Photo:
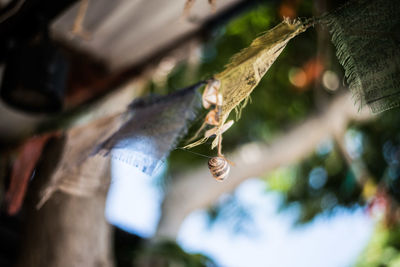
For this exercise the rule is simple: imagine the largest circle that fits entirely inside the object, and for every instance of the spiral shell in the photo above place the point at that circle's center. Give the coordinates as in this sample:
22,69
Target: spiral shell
219,168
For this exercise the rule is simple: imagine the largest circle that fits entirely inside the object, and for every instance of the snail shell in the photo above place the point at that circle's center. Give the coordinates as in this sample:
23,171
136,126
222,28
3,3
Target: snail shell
219,168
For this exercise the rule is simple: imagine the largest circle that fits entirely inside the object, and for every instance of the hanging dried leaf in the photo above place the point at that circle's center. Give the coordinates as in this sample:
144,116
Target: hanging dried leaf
367,38
156,125
247,67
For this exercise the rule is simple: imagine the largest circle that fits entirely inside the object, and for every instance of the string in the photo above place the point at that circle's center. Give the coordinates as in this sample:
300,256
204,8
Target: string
199,154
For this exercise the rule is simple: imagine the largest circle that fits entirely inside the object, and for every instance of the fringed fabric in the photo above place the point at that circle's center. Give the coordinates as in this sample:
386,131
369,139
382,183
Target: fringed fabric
155,127
367,38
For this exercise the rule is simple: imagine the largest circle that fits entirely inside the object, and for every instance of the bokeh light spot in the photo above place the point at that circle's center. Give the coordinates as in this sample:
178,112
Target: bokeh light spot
330,80
317,178
297,77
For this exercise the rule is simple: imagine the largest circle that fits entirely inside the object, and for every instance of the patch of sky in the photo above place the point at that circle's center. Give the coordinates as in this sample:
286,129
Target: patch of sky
134,199
277,242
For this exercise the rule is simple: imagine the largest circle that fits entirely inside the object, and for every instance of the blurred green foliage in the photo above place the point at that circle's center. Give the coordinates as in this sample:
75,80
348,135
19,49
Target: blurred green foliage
318,184
132,250
381,148
324,180
168,253
383,248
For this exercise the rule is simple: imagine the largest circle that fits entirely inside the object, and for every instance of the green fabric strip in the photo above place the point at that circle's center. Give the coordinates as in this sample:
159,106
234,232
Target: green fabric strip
367,39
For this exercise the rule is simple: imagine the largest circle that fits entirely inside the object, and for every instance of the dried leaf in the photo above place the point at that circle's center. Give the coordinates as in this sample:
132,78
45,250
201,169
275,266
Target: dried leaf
247,67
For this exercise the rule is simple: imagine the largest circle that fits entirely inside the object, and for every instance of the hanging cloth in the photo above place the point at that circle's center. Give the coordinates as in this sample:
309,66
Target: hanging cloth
155,127
367,38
